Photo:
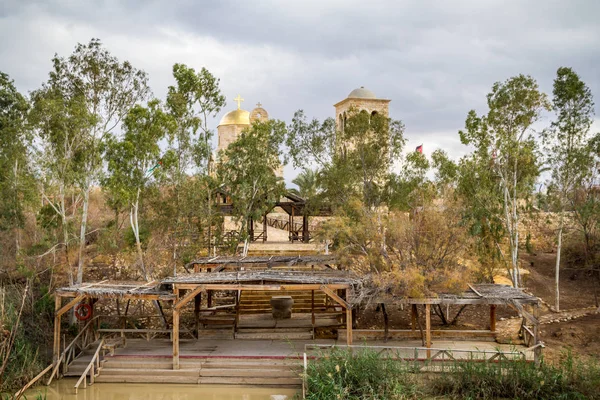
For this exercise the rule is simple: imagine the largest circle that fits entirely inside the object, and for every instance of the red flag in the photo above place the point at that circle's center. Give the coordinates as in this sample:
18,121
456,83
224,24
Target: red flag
419,149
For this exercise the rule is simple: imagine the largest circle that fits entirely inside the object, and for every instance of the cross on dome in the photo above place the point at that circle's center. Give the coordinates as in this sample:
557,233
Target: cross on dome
239,100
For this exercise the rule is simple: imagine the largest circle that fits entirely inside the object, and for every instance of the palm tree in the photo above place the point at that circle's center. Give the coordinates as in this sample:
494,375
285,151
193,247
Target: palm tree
307,183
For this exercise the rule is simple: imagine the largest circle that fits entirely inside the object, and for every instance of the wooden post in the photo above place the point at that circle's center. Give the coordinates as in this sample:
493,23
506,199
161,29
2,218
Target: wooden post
197,304
57,304
292,225
265,228
428,329
537,352
413,316
209,298
493,317
348,319
305,237
175,338
312,307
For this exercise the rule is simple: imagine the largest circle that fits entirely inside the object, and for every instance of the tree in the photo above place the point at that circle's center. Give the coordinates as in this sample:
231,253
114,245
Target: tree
566,148
307,183
505,151
247,171
132,160
61,122
195,97
107,89
15,176
353,162
410,188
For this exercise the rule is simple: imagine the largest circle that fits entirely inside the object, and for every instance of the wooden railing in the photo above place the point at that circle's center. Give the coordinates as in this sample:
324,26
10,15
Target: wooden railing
83,339
420,358
32,382
92,368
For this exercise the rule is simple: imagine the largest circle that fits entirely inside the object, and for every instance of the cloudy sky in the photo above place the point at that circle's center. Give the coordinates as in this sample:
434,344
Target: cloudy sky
434,59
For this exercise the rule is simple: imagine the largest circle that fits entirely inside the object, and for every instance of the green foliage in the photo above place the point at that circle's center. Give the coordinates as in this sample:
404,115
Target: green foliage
353,162
410,188
358,374
131,240
247,171
570,379
366,374
194,99
16,181
500,173
307,182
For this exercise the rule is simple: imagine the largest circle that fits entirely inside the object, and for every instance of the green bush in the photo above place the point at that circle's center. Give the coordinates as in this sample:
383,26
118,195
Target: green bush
569,379
365,374
358,374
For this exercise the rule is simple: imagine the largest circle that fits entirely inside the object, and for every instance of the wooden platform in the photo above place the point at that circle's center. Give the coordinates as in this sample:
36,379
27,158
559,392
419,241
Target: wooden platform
236,362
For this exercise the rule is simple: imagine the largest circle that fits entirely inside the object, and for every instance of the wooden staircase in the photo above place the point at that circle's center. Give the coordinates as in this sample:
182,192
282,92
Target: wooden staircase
257,302
222,371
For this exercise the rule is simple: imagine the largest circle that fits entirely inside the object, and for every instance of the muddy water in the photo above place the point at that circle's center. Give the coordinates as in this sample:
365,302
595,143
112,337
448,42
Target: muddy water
63,390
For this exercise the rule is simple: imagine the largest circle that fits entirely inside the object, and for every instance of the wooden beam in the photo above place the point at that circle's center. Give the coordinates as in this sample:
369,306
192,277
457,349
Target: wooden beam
189,296
175,338
348,318
312,308
413,316
56,349
70,305
197,306
336,298
493,317
259,287
428,329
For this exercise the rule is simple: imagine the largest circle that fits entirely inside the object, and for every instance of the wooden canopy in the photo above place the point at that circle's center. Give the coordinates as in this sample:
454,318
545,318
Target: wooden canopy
220,263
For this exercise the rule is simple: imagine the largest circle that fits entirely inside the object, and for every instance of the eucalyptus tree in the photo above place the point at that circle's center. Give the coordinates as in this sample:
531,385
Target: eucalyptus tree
195,97
60,122
15,176
567,150
133,159
505,151
247,172
353,162
106,89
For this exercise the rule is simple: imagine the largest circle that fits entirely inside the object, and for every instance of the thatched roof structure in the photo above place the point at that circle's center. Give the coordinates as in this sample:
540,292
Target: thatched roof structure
268,276
480,294
117,289
266,261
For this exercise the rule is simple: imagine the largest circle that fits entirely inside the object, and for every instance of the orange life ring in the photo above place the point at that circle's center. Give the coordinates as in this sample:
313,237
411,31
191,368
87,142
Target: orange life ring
83,311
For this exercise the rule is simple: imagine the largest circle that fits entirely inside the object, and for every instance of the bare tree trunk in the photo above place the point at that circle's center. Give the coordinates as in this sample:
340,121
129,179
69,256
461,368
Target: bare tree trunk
557,271
133,219
82,232
17,231
65,228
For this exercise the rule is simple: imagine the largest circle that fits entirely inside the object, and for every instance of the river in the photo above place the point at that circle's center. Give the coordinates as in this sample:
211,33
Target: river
63,390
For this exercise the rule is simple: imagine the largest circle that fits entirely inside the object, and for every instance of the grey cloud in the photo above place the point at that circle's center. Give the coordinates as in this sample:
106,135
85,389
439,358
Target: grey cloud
435,60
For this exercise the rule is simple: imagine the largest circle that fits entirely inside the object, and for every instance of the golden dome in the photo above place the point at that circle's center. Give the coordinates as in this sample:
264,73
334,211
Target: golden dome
236,117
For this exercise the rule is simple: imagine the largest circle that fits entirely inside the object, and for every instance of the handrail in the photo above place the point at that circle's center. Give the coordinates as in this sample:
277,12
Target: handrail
311,346
90,368
31,382
68,348
438,352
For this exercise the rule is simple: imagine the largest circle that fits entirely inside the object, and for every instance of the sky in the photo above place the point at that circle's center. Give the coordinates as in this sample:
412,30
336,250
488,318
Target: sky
435,60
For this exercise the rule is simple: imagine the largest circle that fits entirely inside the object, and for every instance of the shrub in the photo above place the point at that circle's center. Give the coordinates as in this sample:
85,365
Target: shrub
569,379
358,374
